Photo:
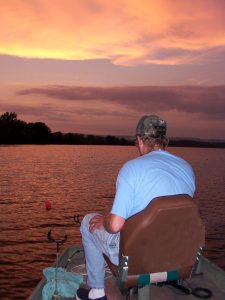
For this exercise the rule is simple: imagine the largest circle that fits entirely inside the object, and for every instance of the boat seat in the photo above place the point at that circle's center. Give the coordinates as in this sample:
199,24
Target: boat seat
160,243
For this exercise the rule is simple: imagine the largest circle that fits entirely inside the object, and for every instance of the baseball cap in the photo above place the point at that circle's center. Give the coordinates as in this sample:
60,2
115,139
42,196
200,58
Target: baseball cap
152,126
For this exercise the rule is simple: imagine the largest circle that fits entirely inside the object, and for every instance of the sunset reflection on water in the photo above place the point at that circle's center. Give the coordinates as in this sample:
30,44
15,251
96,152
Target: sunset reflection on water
77,180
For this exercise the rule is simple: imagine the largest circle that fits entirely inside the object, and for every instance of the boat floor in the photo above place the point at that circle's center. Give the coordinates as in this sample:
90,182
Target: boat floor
209,277
164,292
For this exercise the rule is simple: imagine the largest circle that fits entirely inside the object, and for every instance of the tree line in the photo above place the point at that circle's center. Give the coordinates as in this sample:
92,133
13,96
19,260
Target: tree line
15,131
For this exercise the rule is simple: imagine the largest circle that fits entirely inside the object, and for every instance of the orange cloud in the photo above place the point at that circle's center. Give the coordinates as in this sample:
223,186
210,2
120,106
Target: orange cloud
127,32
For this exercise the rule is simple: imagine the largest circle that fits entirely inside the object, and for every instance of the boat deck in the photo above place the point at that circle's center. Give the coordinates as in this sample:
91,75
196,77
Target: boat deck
209,277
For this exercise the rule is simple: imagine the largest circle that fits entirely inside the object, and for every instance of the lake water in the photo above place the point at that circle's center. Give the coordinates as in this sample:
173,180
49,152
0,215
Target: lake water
77,180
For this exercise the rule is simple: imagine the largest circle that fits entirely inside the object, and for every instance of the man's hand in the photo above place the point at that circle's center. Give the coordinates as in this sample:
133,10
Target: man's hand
97,222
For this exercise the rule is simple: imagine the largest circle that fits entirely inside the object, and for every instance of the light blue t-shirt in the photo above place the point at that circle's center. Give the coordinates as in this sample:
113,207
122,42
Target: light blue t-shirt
158,173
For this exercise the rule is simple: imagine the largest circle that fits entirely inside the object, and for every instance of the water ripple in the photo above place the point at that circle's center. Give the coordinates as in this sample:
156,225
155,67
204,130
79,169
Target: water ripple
77,180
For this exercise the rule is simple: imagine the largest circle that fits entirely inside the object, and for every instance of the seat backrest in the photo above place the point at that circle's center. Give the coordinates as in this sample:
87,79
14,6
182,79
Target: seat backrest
165,236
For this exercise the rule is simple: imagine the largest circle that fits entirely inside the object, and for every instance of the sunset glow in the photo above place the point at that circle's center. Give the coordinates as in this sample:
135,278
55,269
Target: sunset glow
51,45
161,32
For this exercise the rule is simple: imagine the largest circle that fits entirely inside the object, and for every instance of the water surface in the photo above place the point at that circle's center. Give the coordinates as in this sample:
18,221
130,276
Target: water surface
77,180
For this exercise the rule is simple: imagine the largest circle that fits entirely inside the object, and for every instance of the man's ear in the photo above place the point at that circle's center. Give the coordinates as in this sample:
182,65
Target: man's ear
140,145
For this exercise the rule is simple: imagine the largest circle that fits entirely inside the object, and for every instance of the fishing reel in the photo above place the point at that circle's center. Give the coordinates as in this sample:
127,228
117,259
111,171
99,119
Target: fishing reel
77,219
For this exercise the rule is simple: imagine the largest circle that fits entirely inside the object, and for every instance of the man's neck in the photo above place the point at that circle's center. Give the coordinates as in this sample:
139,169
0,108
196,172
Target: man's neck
155,148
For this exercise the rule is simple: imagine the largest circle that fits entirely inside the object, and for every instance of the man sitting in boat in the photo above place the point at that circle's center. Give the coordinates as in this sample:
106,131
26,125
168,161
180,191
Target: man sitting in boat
155,173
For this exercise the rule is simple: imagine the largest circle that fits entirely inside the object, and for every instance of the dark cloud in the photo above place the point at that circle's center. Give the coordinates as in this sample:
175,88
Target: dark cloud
58,113
24,109
165,53
208,101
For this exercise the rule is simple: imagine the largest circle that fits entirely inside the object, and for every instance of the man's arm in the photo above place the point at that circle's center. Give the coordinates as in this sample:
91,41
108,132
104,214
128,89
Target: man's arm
111,222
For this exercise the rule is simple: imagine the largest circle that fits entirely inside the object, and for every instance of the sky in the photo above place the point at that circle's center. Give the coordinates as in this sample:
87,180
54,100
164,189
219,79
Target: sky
97,66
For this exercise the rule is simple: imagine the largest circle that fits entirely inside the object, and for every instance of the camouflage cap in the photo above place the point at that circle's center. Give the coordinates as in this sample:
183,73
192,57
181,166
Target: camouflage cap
151,126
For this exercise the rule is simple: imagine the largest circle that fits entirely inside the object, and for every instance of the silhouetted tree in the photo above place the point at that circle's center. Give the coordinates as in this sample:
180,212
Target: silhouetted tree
57,138
8,117
12,131
38,133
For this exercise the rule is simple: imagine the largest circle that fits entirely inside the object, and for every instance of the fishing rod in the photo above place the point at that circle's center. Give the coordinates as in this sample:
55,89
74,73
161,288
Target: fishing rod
58,243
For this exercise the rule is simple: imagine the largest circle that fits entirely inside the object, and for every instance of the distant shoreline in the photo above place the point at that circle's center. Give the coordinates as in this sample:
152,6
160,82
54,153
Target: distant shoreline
124,142
17,132
196,144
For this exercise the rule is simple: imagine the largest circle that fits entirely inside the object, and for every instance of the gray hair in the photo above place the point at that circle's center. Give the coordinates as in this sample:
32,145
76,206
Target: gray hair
150,141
